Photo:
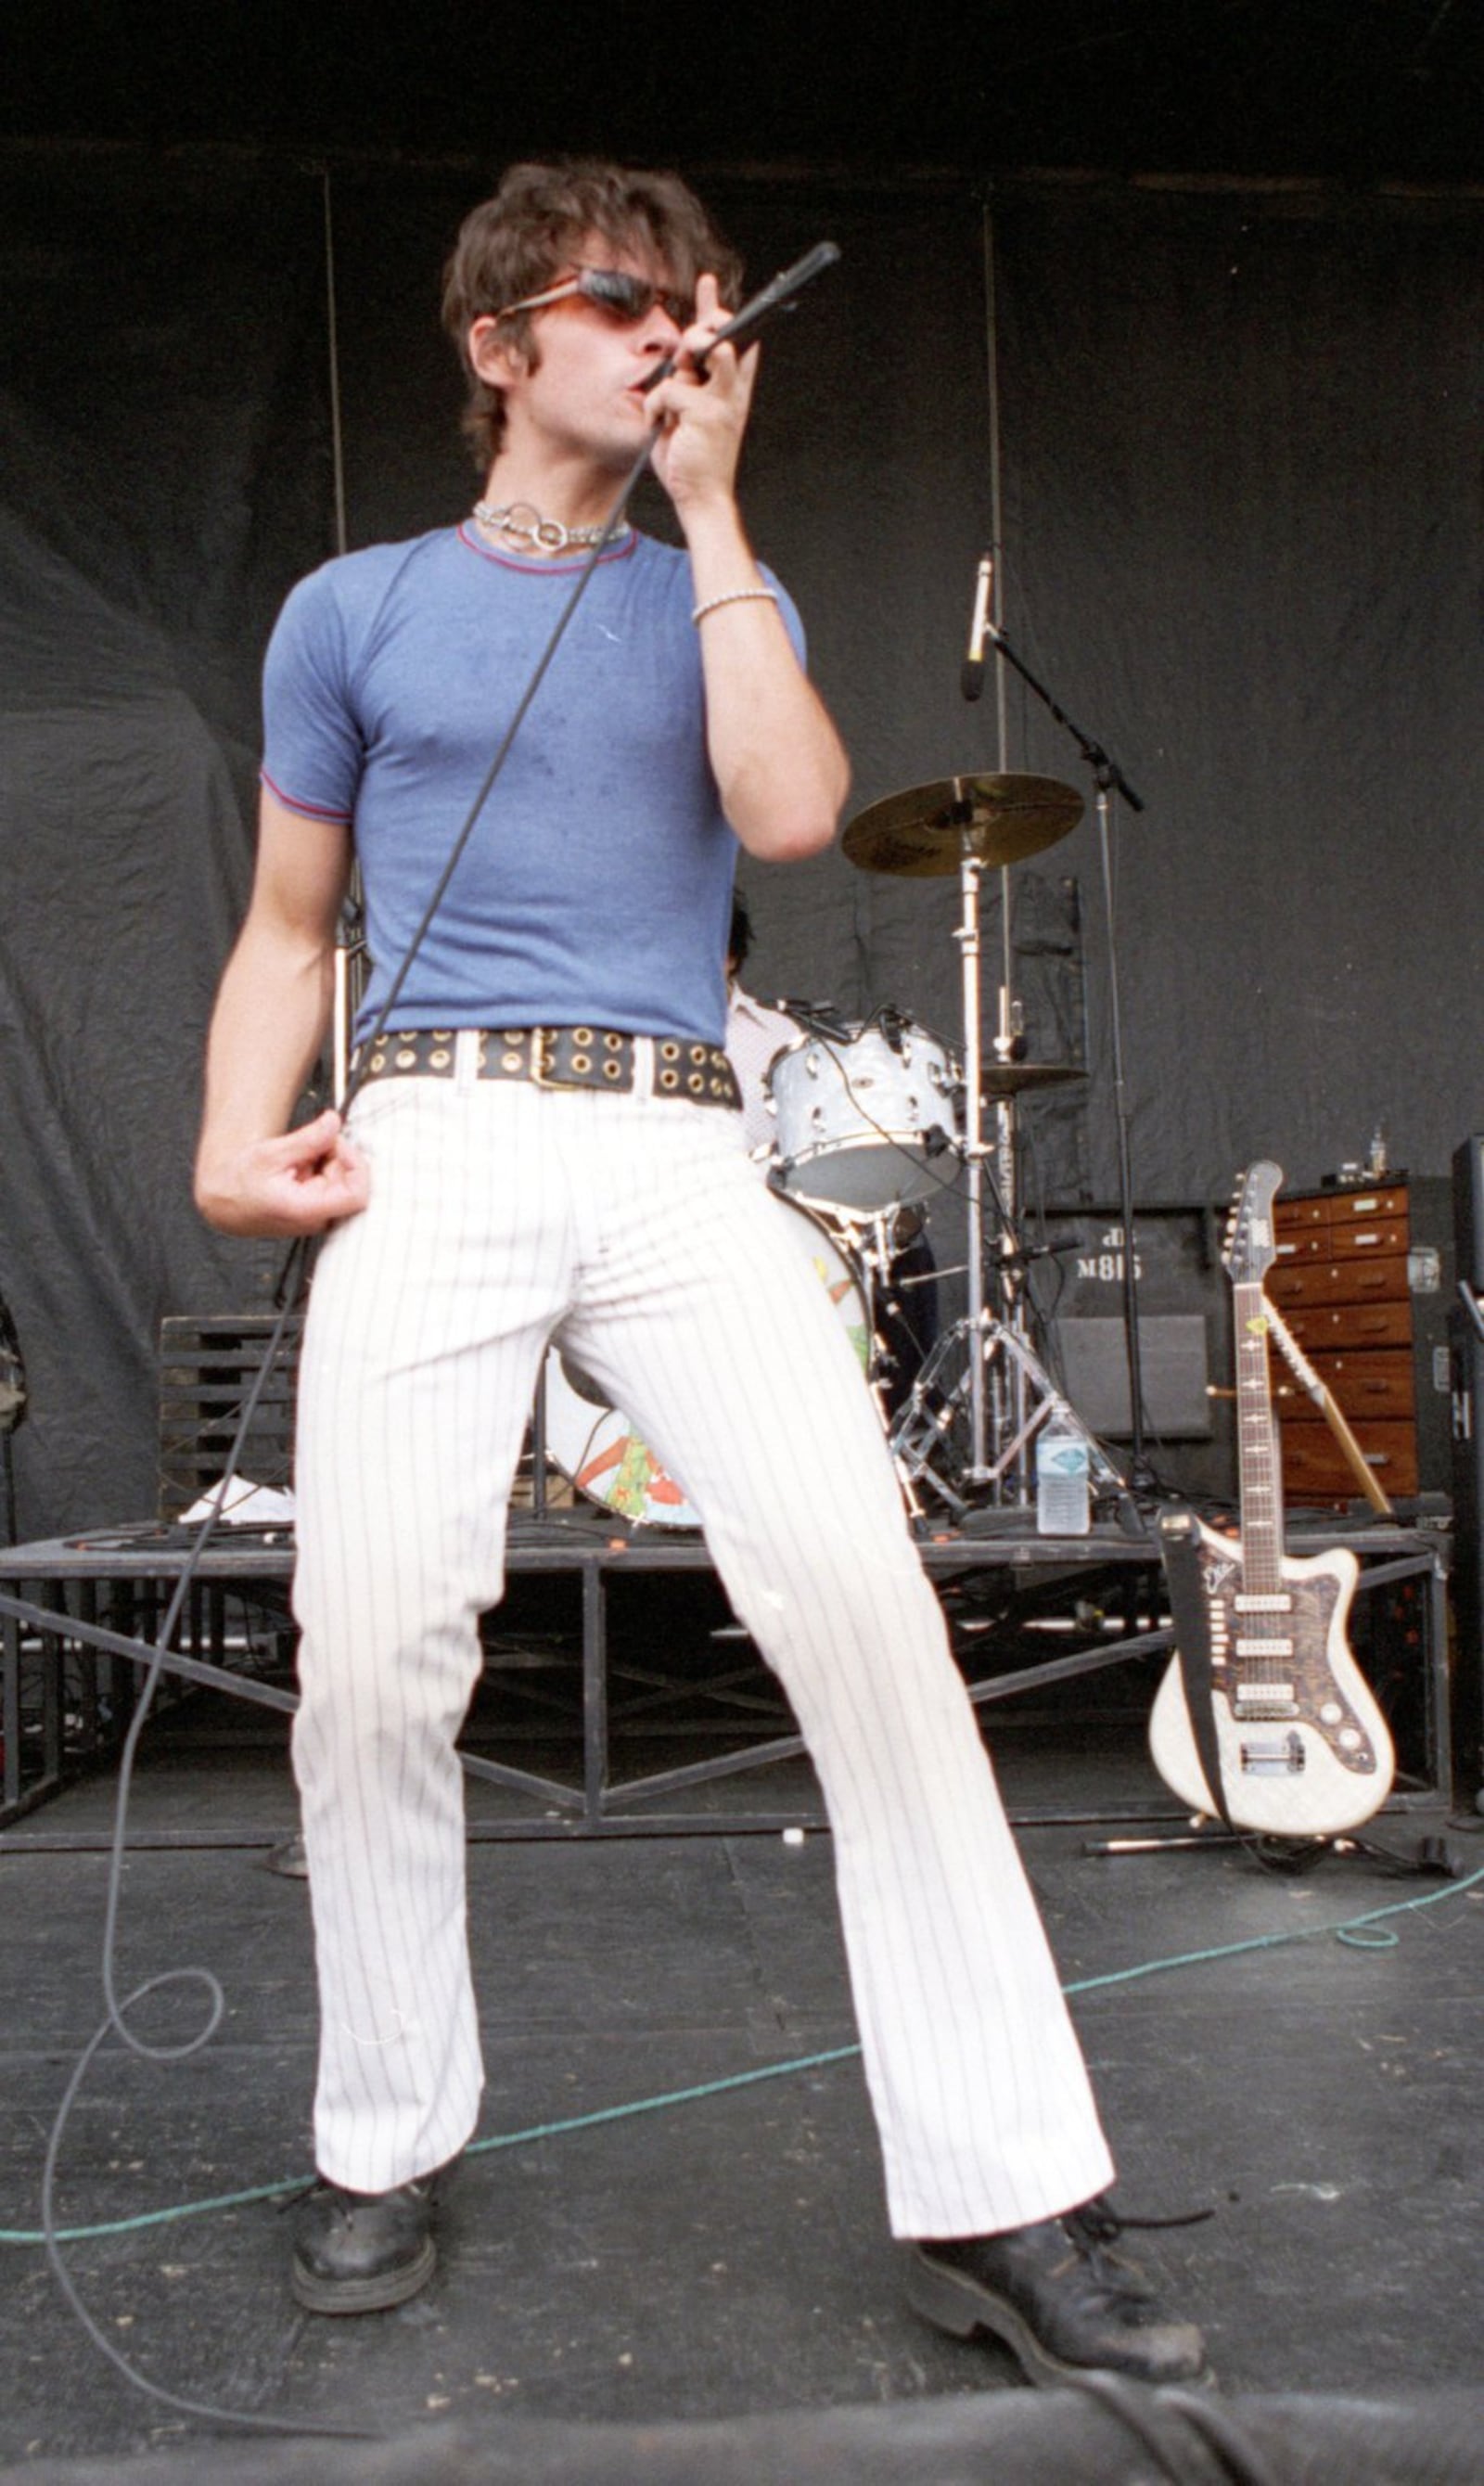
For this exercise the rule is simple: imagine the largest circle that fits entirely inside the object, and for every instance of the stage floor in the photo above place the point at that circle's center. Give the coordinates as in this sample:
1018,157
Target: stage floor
723,2254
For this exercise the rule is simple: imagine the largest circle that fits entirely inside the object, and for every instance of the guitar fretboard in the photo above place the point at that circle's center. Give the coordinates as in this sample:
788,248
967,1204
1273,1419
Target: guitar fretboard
1258,1471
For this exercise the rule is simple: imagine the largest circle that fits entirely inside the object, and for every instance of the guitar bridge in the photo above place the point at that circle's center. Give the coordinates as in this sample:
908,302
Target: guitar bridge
1273,1757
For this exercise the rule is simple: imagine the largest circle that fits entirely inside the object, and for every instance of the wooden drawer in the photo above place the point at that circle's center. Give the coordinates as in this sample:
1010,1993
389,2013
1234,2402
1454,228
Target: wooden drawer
1338,1212
1365,1207
1378,1384
1291,1217
1357,1281
1302,1243
1317,1326
1384,1237
1315,1469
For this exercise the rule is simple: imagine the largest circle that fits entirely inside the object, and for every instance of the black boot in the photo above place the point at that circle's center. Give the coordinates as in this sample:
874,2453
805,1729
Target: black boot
1060,2297
358,2252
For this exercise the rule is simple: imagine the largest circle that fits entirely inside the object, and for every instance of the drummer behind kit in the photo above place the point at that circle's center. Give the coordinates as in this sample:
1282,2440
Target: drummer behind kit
872,1119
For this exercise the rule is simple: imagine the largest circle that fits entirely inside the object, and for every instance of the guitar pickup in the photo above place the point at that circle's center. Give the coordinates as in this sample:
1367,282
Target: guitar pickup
1265,1696
1253,1601
1264,1647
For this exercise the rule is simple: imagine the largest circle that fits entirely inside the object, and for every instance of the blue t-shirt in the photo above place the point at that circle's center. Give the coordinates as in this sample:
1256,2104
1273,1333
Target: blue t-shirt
597,884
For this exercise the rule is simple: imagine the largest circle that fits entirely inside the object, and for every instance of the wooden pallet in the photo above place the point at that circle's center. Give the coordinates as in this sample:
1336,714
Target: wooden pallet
208,1368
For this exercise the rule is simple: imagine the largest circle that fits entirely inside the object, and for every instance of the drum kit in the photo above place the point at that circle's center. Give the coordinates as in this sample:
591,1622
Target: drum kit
874,1119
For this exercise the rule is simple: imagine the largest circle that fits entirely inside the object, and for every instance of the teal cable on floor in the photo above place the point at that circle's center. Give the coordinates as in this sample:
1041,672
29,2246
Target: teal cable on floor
1352,1930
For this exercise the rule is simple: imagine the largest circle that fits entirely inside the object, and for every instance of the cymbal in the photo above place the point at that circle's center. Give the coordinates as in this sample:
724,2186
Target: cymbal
927,830
1013,1078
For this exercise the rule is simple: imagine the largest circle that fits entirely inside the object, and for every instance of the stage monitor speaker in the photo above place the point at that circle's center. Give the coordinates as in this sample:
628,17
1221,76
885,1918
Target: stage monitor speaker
1184,1334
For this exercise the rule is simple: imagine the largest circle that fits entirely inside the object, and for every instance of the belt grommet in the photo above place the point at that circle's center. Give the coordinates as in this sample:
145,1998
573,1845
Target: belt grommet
511,1062
669,1051
582,1063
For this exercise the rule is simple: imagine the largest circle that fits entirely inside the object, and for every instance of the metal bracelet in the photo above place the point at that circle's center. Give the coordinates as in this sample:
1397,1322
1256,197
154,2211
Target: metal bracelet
738,596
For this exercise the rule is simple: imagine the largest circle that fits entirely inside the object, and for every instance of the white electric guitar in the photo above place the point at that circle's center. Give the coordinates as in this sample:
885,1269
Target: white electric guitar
1300,1745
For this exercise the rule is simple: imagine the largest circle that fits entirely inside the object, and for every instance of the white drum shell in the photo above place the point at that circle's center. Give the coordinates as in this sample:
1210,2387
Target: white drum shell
863,1122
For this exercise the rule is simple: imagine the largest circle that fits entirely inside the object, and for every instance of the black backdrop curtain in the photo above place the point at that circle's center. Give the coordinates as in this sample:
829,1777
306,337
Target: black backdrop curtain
1242,451
1240,540
158,449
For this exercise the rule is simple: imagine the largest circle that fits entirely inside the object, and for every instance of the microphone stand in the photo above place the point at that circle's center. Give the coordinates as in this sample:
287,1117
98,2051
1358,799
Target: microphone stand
1107,778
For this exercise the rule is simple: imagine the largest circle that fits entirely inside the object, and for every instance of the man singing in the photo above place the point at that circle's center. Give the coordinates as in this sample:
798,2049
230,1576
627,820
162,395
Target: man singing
545,1146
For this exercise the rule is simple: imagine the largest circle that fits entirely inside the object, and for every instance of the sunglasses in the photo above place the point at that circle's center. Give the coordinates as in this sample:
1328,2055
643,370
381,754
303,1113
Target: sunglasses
611,290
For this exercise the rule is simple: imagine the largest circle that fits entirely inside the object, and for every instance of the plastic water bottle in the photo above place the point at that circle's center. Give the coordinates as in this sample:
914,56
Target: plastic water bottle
1063,1502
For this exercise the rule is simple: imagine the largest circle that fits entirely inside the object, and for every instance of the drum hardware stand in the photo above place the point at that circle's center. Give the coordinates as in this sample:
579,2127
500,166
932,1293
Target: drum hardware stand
998,1375
963,824
863,1238
1009,1049
922,1440
1107,778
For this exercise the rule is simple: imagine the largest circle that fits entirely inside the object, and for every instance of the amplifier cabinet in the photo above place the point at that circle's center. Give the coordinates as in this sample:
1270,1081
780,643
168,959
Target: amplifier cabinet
1077,1293
1364,1279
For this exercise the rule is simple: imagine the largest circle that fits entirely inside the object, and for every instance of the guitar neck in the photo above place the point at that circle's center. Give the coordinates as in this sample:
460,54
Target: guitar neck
1259,1471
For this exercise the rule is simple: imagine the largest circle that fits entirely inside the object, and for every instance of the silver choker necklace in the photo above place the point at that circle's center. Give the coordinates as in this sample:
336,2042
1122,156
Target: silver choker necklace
524,526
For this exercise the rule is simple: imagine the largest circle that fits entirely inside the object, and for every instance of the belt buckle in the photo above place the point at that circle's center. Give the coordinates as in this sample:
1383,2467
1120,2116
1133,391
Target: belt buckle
544,1043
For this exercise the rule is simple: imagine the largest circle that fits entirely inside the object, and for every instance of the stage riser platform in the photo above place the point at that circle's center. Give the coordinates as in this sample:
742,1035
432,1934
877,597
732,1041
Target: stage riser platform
613,1643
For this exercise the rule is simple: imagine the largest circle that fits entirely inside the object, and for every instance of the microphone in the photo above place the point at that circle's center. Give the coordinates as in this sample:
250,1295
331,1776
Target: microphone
778,295
971,680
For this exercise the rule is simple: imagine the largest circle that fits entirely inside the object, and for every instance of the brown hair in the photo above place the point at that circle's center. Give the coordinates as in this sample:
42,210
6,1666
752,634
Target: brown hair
520,241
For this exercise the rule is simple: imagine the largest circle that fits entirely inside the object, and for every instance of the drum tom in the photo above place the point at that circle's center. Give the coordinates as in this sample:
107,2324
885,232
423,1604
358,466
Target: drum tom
596,1448
862,1121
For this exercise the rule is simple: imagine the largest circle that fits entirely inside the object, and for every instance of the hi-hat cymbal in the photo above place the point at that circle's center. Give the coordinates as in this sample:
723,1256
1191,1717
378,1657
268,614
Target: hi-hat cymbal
1013,1078
927,830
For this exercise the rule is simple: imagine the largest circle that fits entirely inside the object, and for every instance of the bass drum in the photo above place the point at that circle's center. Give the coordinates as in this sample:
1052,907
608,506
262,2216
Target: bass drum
597,1448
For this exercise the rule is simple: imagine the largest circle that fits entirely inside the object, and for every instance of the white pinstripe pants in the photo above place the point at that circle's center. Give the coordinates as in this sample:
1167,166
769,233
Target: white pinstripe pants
637,1231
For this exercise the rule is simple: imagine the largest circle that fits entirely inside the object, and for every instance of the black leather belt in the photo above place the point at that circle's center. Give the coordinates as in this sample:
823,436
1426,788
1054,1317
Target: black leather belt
560,1057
